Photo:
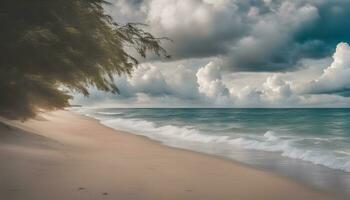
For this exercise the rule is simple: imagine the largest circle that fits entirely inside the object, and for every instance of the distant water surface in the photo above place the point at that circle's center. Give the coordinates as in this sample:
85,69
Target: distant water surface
310,145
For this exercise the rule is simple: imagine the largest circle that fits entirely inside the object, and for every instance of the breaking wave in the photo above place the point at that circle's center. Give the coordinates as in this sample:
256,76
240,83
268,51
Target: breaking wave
286,146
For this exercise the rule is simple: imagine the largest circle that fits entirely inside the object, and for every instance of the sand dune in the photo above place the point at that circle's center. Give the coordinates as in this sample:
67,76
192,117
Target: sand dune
62,155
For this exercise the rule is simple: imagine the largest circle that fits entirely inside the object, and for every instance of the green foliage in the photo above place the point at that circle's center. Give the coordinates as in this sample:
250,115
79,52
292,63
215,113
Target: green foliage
48,45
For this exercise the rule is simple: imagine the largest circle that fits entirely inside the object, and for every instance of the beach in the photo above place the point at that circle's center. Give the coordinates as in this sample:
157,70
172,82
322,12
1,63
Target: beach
64,155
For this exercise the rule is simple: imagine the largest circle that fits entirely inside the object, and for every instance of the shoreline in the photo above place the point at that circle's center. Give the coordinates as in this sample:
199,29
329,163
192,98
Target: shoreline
231,160
88,159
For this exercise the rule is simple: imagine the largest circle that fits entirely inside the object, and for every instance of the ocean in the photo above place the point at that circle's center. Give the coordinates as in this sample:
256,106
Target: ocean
308,145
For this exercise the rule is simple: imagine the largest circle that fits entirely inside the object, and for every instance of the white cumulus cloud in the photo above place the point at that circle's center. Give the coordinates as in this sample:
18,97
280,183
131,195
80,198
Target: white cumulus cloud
336,77
210,82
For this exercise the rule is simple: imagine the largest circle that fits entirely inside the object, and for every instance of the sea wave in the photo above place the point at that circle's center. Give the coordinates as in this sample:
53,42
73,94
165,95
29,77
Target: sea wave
269,141
109,113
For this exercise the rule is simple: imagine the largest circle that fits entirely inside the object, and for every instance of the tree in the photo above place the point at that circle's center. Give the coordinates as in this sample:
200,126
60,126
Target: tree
51,47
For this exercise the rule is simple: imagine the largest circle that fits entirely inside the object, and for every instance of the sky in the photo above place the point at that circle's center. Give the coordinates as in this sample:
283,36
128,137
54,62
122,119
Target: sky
237,53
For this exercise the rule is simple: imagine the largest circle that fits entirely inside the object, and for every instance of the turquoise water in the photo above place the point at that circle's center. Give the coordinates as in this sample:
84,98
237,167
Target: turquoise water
311,145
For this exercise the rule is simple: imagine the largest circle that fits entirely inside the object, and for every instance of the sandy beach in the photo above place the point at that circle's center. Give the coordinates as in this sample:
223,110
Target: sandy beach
62,155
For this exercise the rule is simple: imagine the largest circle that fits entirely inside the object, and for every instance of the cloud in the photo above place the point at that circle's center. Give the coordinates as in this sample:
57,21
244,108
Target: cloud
247,96
198,28
269,45
148,79
275,88
246,35
209,81
182,82
124,11
209,86
238,53
148,85
335,79
205,87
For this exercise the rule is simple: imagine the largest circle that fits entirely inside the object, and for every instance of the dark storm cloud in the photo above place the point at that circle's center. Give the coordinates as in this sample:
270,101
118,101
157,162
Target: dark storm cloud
315,37
341,92
248,35
333,25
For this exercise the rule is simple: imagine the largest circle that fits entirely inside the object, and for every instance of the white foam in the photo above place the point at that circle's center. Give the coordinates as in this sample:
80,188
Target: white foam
270,141
343,152
270,136
149,129
109,113
286,148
